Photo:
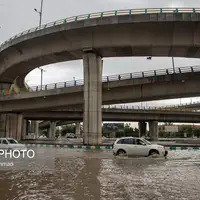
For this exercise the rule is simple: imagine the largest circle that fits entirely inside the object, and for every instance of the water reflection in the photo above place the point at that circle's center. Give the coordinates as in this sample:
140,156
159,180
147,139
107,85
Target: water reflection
78,175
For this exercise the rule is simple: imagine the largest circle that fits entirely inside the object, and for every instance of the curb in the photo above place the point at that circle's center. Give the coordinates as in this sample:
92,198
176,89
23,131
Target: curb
71,146
108,148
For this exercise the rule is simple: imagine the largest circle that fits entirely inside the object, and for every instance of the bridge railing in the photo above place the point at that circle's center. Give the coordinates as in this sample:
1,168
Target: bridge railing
149,108
117,77
101,15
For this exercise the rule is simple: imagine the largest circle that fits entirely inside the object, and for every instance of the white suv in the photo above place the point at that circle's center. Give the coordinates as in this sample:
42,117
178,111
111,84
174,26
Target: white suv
132,146
11,144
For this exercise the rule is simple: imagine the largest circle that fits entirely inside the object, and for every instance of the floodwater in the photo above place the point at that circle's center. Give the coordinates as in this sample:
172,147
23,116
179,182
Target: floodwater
69,174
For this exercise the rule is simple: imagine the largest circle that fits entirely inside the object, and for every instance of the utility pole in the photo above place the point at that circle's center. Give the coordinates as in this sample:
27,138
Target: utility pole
40,13
173,65
41,80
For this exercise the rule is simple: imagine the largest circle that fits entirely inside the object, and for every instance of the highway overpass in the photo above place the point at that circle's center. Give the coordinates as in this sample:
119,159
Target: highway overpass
119,115
129,115
116,89
131,32
138,32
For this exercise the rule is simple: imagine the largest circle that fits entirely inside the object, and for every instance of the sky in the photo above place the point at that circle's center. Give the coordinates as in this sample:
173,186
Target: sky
19,15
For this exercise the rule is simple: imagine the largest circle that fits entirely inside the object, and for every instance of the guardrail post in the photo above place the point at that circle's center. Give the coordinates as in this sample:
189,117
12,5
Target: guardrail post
131,76
192,70
37,89
74,83
55,85
179,70
65,84
143,74
154,72
119,77
107,78
194,10
167,71
130,12
45,87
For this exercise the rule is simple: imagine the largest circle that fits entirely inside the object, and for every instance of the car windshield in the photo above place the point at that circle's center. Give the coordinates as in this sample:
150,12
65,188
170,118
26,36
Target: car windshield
12,141
145,141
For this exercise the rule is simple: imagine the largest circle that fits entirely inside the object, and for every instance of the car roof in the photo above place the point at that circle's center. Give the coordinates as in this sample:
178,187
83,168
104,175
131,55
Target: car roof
128,138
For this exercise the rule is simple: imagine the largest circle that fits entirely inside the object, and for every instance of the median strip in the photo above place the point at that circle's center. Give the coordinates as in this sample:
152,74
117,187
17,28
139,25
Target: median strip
107,147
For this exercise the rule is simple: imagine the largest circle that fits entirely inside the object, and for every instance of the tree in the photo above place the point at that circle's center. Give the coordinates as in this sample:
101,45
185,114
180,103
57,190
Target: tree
196,132
69,128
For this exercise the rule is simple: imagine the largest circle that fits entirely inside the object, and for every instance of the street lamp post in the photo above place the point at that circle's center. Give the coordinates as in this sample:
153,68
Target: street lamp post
40,12
40,22
173,65
42,70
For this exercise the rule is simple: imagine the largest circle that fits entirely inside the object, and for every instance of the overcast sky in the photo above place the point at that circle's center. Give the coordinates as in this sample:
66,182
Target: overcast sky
19,15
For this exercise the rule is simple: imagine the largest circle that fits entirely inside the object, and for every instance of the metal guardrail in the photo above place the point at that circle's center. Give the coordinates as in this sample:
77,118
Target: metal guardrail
186,104
102,15
117,77
146,109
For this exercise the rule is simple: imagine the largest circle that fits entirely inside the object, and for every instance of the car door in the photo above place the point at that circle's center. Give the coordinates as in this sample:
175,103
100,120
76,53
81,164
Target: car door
134,149
125,144
142,148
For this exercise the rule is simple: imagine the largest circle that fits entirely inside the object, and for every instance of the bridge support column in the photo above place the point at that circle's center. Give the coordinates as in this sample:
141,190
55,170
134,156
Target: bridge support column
142,128
92,121
11,125
25,128
78,130
52,130
153,130
35,128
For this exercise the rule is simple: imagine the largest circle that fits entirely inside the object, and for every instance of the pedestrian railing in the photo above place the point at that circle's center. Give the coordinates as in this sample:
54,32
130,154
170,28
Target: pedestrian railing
117,77
90,16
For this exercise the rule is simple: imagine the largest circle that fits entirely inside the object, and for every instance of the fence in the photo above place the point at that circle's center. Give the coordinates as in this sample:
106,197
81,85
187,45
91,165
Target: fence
101,15
117,77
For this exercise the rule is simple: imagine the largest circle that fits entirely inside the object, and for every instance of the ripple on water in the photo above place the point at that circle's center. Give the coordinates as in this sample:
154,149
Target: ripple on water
152,180
84,175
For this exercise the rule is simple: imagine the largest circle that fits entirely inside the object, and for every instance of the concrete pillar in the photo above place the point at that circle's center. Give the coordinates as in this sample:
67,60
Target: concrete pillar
142,128
78,130
3,125
92,122
34,128
153,130
26,127
11,125
52,130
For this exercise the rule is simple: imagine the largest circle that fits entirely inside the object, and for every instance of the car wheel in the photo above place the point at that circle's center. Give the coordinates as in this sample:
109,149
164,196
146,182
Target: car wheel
121,152
153,153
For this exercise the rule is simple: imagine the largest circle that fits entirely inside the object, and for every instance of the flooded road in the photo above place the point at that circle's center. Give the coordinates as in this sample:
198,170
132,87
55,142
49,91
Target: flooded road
70,174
